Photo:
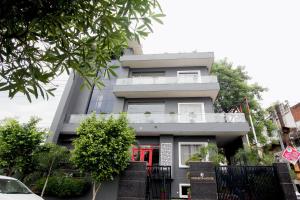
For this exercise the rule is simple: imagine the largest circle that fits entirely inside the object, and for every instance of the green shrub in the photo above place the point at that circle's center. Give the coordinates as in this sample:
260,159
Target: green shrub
63,186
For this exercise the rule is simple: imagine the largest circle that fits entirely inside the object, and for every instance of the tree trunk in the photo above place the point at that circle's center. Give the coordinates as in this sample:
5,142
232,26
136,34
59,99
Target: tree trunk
9,171
95,189
46,182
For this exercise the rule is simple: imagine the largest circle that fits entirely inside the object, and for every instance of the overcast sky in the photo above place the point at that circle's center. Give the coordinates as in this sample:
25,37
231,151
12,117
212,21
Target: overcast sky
263,36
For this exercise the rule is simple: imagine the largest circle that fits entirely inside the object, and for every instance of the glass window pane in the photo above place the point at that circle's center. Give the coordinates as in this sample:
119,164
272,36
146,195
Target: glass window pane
185,154
136,155
147,74
184,190
187,151
154,108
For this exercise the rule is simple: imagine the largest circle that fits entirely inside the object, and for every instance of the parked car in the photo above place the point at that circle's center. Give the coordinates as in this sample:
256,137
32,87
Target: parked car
13,189
298,195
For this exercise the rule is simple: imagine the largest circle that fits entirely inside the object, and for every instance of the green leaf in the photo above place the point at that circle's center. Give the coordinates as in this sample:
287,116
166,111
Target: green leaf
28,96
77,36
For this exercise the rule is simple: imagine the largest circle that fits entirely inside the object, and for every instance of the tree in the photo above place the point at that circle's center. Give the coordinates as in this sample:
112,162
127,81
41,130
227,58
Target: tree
250,156
18,143
49,158
41,39
102,148
234,87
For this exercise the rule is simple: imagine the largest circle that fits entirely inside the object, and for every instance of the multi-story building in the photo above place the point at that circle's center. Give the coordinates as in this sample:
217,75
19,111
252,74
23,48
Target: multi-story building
168,99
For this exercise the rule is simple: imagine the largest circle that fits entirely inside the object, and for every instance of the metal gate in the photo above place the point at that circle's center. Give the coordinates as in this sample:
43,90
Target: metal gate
248,183
158,183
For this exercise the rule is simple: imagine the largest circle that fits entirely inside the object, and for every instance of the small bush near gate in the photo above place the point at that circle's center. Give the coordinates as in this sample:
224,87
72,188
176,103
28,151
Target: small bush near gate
63,186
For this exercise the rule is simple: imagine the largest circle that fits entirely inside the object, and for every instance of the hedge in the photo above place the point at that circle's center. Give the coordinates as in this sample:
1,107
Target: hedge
63,186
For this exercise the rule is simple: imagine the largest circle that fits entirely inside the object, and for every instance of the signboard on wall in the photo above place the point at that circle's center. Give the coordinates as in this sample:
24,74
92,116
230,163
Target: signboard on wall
291,154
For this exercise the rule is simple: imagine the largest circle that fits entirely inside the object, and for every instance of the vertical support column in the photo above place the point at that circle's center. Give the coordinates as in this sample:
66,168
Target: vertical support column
285,181
203,181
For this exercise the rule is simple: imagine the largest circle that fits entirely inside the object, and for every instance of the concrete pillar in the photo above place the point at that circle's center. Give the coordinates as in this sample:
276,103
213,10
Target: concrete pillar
203,181
285,181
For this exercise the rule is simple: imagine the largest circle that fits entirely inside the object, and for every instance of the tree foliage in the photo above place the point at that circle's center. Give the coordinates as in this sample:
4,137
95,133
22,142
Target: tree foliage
250,156
18,143
234,87
102,147
41,39
63,187
51,156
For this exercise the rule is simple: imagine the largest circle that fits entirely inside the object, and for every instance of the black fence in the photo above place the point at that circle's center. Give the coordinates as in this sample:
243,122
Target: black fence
248,183
158,183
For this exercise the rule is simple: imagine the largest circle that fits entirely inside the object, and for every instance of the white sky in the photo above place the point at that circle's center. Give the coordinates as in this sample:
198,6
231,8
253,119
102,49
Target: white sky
263,35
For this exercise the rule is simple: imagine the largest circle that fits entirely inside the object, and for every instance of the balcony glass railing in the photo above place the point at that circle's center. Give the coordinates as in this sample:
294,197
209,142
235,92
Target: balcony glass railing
166,80
171,118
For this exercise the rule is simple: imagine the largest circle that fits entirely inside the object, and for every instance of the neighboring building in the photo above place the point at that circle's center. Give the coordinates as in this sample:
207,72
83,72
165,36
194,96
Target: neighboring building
287,120
169,102
296,114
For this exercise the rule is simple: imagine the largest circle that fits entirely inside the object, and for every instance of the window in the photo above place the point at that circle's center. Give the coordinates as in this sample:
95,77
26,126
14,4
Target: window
147,74
187,150
184,190
190,76
8,186
151,108
191,112
96,102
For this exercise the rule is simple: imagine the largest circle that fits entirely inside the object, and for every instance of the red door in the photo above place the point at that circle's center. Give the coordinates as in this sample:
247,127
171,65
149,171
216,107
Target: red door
142,154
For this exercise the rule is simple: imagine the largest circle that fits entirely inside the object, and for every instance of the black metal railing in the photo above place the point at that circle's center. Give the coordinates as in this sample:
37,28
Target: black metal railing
247,183
158,182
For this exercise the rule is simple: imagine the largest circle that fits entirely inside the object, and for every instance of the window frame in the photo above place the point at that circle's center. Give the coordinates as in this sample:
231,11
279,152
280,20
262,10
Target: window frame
162,74
186,71
187,103
188,143
180,190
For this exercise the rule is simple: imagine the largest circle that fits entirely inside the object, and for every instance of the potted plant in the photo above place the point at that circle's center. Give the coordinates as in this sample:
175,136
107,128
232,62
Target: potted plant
189,194
147,114
163,194
172,116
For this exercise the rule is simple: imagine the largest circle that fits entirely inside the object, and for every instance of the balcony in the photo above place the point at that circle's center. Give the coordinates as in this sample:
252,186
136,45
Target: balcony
175,124
153,87
168,60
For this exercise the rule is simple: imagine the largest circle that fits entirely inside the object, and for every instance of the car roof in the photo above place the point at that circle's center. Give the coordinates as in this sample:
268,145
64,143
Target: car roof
7,177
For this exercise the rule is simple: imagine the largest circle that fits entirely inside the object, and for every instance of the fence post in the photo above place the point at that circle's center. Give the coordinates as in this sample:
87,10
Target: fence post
285,181
203,181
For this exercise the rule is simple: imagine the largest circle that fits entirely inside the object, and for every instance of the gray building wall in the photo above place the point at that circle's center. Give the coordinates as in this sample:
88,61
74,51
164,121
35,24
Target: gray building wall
73,100
147,140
